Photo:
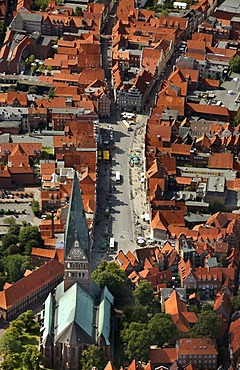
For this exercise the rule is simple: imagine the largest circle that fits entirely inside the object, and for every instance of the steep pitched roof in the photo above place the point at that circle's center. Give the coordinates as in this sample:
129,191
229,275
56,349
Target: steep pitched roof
76,225
30,283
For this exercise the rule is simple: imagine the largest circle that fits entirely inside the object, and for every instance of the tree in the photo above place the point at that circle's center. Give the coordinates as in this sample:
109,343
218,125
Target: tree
144,293
49,68
11,88
109,275
78,11
9,239
161,329
2,30
29,237
32,90
15,266
16,327
136,314
136,339
92,357
223,260
208,325
217,207
33,69
12,249
41,67
192,308
9,344
234,64
51,93
41,126
11,361
35,208
30,60
9,221
40,4
207,307
236,302
237,118
31,358
27,318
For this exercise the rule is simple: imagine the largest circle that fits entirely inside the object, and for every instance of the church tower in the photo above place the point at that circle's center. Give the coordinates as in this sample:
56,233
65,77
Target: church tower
77,256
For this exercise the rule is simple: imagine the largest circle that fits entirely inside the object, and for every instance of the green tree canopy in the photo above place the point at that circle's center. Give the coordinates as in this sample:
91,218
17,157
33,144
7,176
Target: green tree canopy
237,118
9,343
30,60
78,11
135,337
16,327
15,266
2,30
144,293
30,236
162,329
207,307
31,358
223,260
35,208
236,302
27,318
109,275
51,93
32,90
92,357
234,64
208,325
136,314
12,361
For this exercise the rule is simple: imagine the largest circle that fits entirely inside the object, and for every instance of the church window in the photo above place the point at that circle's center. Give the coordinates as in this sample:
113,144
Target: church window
79,274
84,265
83,274
68,265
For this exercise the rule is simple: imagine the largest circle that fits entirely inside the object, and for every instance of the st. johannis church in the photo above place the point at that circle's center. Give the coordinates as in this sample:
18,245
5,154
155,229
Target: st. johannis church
73,317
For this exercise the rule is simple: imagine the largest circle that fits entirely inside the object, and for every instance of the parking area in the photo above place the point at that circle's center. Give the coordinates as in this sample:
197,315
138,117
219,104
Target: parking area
20,211
18,204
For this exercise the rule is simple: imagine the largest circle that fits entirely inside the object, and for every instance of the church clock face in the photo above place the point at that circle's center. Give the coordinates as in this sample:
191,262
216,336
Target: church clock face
76,252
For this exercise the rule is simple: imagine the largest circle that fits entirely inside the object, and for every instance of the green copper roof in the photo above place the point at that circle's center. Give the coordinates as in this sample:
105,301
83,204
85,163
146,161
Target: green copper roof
104,316
74,315
76,225
47,322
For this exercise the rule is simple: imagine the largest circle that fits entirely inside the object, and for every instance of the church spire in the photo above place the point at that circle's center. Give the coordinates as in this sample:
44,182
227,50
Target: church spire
76,239
76,225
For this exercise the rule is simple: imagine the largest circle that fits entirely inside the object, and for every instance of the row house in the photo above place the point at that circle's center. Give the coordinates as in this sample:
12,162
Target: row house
133,98
32,289
208,280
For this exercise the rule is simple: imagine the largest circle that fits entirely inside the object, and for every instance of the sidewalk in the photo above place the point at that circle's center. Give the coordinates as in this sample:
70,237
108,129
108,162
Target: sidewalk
137,179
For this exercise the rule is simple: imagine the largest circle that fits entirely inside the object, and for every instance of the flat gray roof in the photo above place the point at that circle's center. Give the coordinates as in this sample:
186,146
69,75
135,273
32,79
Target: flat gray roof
230,6
216,184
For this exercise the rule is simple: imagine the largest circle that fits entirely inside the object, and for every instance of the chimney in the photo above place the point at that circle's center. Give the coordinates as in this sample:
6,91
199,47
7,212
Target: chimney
52,225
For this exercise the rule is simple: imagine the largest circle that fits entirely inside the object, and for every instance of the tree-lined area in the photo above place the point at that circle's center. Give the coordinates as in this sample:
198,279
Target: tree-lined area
15,251
19,344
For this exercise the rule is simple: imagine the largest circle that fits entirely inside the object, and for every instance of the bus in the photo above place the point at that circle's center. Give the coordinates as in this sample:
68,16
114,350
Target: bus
111,244
118,176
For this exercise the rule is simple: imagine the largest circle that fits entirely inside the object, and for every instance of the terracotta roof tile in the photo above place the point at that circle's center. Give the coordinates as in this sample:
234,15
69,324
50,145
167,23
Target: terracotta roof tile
29,284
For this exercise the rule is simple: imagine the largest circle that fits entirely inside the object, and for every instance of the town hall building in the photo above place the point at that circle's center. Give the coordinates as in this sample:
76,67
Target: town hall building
74,317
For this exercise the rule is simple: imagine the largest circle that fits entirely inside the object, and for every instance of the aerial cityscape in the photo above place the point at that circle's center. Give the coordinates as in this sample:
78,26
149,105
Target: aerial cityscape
119,184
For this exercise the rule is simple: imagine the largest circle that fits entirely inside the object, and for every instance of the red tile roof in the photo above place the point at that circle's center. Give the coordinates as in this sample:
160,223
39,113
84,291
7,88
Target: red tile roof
31,283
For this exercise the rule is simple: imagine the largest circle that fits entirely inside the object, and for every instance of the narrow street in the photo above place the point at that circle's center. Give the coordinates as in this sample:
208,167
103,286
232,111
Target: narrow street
120,205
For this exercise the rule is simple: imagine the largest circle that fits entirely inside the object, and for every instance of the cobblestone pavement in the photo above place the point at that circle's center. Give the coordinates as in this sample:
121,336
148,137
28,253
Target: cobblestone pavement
137,180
